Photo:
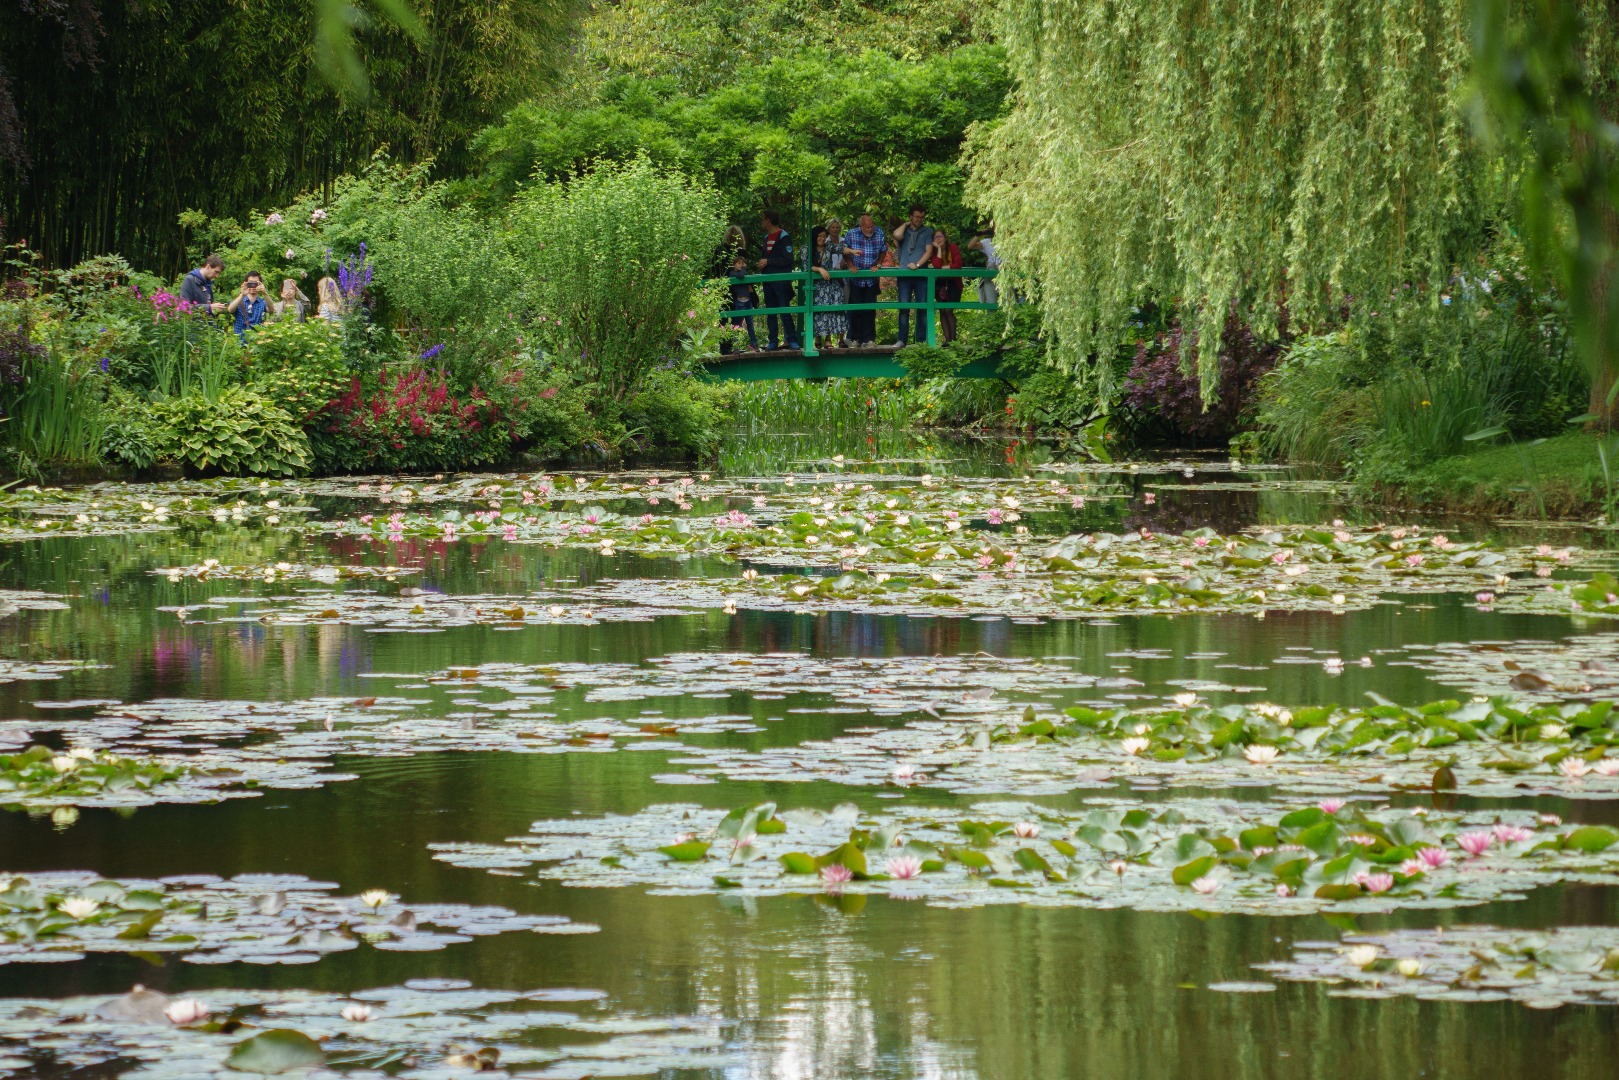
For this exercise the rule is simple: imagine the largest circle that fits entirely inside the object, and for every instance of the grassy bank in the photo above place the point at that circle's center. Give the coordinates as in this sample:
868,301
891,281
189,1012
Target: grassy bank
1561,477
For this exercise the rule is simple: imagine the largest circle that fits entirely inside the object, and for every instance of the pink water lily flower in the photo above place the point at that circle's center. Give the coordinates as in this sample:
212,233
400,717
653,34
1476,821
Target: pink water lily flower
1206,885
1433,857
903,867
1375,883
1475,843
836,876
1330,806
1413,867
1512,834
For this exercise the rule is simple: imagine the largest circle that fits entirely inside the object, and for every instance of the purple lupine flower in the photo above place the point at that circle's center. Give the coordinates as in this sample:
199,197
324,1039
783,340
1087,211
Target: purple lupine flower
429,353
106,363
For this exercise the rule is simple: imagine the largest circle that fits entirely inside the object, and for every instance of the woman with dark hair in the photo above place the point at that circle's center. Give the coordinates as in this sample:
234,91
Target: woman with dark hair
943,255
826,254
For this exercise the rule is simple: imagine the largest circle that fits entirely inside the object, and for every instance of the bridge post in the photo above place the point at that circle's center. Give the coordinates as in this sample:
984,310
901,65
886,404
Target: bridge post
807,286
930,285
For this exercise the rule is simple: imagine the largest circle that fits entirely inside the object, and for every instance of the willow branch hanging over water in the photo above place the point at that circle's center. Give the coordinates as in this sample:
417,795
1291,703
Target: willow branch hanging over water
1211,152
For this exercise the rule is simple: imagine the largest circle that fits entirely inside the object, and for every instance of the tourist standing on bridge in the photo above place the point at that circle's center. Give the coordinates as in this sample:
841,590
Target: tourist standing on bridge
743,298
915,242
827,255
778,294
946,256
864,248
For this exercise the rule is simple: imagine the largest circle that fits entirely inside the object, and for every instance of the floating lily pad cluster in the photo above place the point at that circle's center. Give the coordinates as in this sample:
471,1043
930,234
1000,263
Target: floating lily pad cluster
1566,965
427,1027
122,509
1583,666
1194,855
252,919
1492,747
330,574
81,776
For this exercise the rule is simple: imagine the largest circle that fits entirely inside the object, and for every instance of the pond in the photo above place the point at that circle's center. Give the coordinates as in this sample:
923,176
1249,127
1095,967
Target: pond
839,760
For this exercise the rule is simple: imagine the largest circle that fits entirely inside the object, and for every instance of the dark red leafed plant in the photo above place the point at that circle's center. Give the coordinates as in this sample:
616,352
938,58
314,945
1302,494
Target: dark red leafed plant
1158,388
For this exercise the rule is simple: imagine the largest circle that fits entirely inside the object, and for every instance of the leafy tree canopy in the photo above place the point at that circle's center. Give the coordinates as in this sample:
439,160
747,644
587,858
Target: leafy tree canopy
859,130
1230,152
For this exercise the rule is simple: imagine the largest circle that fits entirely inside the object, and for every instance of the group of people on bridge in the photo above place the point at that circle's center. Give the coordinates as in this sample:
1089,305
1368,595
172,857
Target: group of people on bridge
913,245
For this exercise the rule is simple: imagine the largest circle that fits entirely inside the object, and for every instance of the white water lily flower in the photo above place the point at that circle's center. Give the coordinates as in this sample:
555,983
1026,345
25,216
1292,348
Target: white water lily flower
356,1014
1206,885
1552,731
1409,967
1185,701
78,907
1260,755
1362,955
1134,745
556,610
185,1011
83,753
375,898
64,764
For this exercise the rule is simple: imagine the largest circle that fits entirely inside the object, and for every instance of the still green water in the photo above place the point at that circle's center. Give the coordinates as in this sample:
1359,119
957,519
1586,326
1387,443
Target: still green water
800,987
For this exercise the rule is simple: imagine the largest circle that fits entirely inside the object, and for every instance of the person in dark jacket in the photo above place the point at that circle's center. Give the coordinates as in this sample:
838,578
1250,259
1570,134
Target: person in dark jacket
197,287
743,298
778,249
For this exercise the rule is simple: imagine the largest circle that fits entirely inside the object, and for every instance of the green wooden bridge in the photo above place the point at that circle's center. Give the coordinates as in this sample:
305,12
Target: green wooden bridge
866,362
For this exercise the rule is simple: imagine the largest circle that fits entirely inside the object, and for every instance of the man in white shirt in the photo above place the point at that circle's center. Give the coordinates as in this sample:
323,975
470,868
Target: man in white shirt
988,291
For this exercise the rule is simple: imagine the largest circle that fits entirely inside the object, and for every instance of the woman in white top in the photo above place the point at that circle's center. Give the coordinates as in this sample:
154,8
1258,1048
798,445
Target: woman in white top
331,300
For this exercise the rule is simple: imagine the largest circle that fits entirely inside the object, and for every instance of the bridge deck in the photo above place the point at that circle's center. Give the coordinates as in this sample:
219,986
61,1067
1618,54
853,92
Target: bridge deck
875,362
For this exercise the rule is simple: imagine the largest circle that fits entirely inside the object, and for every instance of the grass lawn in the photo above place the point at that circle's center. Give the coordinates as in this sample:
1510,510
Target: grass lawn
1558,477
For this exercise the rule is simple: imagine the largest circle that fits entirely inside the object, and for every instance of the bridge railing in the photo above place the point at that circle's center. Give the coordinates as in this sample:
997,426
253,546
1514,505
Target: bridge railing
806,308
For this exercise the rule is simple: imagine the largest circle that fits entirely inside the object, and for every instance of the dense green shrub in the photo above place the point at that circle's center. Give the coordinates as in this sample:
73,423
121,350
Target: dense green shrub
238,433
299,367
617,257
1406,382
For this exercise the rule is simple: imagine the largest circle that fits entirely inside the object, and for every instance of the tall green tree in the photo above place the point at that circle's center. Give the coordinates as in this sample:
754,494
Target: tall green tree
1229,153
224,108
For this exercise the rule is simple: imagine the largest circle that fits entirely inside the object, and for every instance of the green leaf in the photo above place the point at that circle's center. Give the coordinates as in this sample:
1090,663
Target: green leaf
690,851
141,926
278,1050
1345,891
796,862
1186,873
1591,838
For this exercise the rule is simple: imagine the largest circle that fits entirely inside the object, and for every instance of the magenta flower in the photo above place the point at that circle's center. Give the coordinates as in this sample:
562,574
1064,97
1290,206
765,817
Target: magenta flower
1432,857
1475,843
1376,883
994,515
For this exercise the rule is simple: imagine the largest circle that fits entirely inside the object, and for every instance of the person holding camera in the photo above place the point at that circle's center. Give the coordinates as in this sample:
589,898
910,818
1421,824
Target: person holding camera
249,306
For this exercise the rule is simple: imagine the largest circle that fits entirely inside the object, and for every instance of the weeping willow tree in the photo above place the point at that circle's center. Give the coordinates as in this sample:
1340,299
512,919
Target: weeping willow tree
1223,154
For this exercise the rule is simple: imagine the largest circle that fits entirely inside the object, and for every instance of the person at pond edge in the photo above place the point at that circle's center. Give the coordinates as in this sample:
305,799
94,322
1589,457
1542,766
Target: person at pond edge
197,287
743,298
249,306
864,248
943,255
914,239
778,252
826,255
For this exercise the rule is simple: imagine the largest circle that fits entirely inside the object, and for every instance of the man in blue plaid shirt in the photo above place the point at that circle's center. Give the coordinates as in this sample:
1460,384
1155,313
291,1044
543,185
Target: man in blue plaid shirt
864,247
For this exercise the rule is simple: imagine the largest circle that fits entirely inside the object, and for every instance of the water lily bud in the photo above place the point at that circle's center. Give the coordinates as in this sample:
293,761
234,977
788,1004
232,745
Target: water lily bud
1362,955
1409,967
356,1014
